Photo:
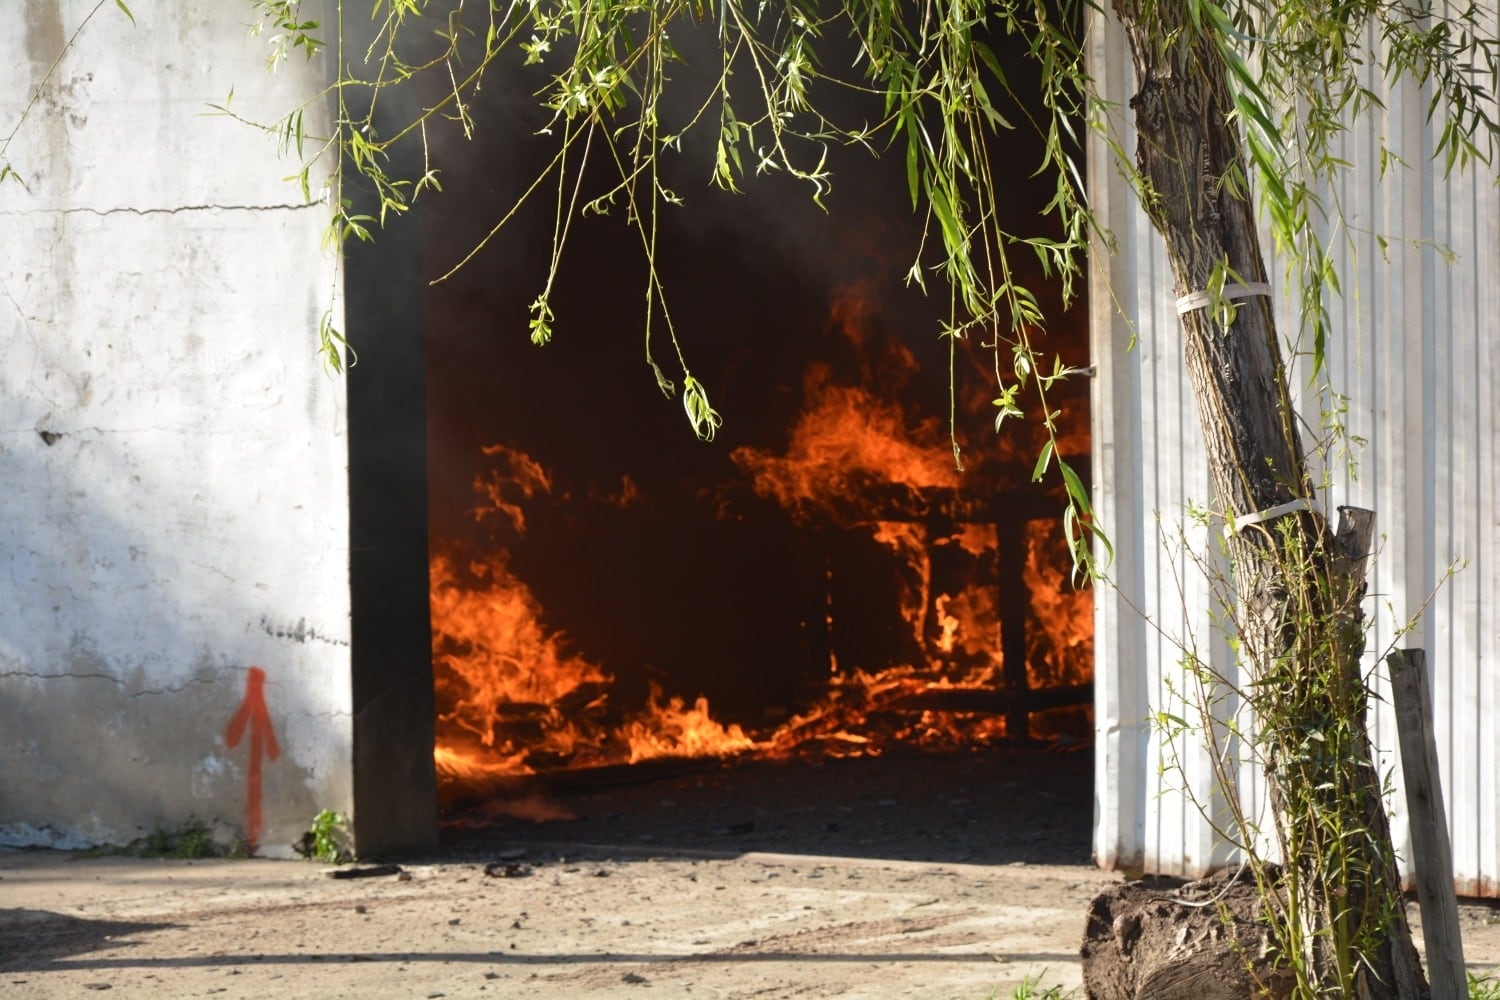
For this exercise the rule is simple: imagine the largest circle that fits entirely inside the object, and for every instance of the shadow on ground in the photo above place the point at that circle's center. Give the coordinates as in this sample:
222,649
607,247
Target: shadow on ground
988,806
37,939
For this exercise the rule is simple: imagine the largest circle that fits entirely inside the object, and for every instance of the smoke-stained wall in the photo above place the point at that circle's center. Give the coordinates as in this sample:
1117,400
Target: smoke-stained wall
174,536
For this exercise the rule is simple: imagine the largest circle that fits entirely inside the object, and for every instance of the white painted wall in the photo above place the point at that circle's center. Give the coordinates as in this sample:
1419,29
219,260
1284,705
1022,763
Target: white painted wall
1417,358
172,452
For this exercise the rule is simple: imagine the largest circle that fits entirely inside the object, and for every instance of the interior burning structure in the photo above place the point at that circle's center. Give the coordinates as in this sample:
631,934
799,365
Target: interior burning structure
859,564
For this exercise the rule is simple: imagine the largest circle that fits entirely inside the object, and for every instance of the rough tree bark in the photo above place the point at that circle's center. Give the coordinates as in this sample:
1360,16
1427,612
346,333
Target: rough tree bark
1302,653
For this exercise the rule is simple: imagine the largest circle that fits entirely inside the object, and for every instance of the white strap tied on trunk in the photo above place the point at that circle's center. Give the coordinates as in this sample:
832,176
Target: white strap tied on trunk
1201,300
1234,525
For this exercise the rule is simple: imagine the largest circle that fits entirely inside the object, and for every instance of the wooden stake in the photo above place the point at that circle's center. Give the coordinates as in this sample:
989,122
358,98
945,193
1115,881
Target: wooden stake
1432,854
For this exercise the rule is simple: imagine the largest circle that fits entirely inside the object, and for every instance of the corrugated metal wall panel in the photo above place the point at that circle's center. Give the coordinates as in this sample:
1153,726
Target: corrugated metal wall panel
1120,654
1149,467
1414,353
1485,318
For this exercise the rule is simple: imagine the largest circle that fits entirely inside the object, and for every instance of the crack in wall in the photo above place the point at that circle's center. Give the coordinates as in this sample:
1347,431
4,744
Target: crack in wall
178,689
117,681
127,210
101,432
38,676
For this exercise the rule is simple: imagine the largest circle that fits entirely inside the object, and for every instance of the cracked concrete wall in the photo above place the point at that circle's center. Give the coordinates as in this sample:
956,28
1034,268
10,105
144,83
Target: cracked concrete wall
173,453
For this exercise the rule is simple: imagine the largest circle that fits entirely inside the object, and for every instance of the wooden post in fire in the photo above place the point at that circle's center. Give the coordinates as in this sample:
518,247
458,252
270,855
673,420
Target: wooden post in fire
1011,560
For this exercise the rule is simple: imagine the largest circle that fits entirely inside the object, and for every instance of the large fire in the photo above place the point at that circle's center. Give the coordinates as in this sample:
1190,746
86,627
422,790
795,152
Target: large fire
515,697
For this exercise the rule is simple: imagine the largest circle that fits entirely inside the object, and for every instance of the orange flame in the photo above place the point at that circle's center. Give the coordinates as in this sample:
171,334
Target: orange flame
497,668
514,697
845,442
667,729
515,472
503,678
1061,630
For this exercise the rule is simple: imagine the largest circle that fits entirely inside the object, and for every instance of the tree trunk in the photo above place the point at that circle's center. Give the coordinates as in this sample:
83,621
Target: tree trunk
1298,592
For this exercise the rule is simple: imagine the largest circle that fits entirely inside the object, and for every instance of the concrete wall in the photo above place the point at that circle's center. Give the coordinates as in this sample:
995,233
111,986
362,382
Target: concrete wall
174,509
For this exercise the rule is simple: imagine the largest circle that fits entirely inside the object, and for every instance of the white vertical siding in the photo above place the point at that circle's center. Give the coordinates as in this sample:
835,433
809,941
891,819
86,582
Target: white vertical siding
1148,465
1121,702
1414,353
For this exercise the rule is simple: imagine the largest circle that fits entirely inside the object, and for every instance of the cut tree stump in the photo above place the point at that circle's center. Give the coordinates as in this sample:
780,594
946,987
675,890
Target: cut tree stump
1161,939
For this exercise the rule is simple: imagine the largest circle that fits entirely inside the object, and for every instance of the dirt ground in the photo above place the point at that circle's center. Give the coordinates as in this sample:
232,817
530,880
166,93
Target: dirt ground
952,877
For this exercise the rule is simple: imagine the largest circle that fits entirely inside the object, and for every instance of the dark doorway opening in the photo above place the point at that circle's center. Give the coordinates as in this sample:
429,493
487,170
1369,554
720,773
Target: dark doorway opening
818,600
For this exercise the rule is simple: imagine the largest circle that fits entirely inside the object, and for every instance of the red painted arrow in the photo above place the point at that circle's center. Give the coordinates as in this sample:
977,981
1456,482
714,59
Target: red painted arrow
253,712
